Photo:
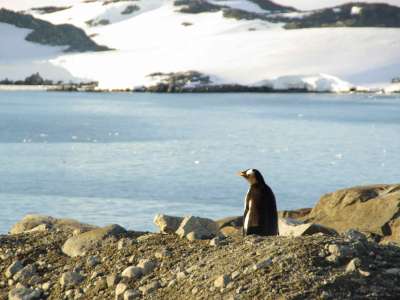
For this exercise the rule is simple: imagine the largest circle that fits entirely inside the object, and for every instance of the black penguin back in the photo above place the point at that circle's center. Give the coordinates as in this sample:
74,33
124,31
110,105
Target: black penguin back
264,206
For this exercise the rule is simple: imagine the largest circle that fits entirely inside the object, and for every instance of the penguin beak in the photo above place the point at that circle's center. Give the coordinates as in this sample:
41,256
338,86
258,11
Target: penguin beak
242,174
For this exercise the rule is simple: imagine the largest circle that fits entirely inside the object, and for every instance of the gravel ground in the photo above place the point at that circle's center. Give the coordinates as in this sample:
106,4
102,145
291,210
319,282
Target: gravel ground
168,267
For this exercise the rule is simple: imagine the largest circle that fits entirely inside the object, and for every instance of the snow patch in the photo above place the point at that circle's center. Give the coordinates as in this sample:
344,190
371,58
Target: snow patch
310,83
83,14
392,88
295,14
356,10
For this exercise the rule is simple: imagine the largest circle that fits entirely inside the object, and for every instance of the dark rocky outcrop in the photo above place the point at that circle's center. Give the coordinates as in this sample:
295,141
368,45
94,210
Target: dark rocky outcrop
130,9
50,9
107,2
34,79
178,81
216,88
272,6
48,34
202,6
98,22
239,14
196,6
396,80
194,82
369,15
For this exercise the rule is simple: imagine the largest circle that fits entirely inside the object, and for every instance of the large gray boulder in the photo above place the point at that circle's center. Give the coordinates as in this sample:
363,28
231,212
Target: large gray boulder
39,223
374,209
167,224
78,245
291,227
197,228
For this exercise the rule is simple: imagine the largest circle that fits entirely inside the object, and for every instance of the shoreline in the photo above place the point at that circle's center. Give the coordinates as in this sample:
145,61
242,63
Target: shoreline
202,90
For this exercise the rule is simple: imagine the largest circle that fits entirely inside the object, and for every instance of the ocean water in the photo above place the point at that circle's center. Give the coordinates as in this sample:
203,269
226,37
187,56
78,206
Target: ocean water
122,158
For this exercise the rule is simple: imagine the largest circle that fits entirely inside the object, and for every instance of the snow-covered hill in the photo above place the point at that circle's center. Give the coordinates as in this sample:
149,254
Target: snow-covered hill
154,36
318,4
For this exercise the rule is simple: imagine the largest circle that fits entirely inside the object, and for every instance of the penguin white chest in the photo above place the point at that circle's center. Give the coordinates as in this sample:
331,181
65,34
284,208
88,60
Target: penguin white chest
247,217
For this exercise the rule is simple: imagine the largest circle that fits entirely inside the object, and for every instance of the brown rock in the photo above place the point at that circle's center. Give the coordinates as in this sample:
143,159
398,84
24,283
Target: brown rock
231,231
222,281
149,288
294,214
374,209
290,227
230,222
197,228
78,245
38,222
167,224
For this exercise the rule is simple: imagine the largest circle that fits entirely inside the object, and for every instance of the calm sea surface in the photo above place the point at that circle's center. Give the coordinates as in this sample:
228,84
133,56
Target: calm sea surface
122,158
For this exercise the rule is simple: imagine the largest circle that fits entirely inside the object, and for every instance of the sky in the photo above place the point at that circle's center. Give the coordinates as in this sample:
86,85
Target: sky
25,4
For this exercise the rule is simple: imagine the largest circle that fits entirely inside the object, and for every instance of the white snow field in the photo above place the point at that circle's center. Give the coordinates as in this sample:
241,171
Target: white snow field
19,58
157,38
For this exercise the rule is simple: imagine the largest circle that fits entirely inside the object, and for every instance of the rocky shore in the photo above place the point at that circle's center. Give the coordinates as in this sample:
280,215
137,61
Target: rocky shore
198,258
197,82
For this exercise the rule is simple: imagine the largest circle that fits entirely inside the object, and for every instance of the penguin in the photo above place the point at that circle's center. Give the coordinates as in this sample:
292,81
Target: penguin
260,213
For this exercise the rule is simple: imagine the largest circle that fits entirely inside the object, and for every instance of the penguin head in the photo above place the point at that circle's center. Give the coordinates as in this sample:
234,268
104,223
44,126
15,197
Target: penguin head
253,176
